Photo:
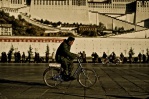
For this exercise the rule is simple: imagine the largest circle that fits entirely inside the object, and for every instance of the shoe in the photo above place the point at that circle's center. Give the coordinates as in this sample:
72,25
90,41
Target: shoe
72,78
65,78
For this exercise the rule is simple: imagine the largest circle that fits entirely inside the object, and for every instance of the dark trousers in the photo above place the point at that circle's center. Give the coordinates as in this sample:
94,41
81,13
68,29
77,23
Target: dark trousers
67,65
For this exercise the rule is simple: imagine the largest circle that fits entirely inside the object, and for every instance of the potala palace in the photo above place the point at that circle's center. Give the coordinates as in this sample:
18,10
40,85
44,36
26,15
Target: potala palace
83,11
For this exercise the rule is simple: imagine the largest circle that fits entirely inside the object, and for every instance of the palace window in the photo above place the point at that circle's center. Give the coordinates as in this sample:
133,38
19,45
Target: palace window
47,2
50,2
65,2
43,2
59,2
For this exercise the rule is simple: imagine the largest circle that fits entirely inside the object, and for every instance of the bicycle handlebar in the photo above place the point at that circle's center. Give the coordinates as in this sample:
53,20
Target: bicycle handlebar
79,59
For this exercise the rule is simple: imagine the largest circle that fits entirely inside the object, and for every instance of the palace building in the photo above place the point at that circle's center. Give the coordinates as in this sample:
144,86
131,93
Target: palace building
84,11
12,3
142,12
109,7
6,29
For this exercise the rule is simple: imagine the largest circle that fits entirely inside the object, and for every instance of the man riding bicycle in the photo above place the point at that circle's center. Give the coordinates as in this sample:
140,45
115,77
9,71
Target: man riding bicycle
65,58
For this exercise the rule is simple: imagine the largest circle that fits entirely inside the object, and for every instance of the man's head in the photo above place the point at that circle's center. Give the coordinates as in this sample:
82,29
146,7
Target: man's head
70,40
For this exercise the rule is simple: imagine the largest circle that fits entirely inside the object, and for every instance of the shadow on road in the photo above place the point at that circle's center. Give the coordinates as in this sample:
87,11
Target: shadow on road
77,95
125,97
20,82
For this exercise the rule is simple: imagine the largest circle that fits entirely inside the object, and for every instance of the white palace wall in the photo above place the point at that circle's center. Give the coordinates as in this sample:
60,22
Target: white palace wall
137,34
88,45
63,13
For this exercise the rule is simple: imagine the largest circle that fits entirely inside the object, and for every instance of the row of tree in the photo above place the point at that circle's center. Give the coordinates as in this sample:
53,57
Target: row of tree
7,57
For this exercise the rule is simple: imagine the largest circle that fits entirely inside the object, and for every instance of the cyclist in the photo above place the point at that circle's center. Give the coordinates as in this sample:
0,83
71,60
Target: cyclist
65,57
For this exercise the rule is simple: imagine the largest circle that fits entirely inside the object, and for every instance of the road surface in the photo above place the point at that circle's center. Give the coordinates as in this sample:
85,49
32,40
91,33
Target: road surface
25,81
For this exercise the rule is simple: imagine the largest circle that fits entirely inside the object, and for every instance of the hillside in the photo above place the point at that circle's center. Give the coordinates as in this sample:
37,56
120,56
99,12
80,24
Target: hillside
19,26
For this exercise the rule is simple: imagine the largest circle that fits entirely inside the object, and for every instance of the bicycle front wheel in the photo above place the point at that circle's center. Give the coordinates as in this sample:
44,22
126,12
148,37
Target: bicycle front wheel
51,77
87,78
117,61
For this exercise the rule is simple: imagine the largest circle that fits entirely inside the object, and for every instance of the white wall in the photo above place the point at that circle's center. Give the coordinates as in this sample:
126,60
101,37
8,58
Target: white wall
127,17
109,45
63,13
138,34
88,45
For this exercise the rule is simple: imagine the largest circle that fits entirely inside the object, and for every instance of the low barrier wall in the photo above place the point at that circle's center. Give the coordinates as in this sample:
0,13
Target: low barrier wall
89,45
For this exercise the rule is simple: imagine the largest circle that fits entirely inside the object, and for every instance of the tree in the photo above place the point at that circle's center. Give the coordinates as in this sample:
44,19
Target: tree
28,2
54,24
47,54
101,27
10,53
89,33
2,21
147,51
20,17
12,48
3,14
92,33
46,22
48,50
116,29
59,23
85,33
30,49
41,21
131,51
31,31
20,26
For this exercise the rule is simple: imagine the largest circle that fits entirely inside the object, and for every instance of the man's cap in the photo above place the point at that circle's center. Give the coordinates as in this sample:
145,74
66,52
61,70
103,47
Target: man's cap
70,38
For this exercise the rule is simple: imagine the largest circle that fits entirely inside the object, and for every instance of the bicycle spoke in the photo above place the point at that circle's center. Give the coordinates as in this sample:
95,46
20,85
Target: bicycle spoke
87,78
51,77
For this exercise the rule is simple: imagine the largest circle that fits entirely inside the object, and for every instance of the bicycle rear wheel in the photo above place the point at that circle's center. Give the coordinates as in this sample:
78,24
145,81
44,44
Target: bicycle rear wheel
52,77
87,78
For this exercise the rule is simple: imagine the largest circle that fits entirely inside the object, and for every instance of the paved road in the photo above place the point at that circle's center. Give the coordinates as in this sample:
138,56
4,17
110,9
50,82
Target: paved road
24,81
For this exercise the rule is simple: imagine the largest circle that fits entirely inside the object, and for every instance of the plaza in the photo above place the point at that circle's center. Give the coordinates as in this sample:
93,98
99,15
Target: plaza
125,81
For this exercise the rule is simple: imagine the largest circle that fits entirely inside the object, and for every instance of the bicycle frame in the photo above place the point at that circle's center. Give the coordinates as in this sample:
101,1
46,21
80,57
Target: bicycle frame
79,68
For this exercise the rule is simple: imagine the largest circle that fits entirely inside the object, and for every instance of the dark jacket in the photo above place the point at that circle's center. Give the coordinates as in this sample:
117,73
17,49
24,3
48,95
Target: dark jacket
63,51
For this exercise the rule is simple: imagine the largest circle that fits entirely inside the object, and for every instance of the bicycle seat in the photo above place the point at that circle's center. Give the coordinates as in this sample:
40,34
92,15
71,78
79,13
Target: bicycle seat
55,65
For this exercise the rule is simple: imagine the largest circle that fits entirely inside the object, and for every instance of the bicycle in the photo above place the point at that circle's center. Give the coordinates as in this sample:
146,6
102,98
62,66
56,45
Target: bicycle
107,61
86,77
